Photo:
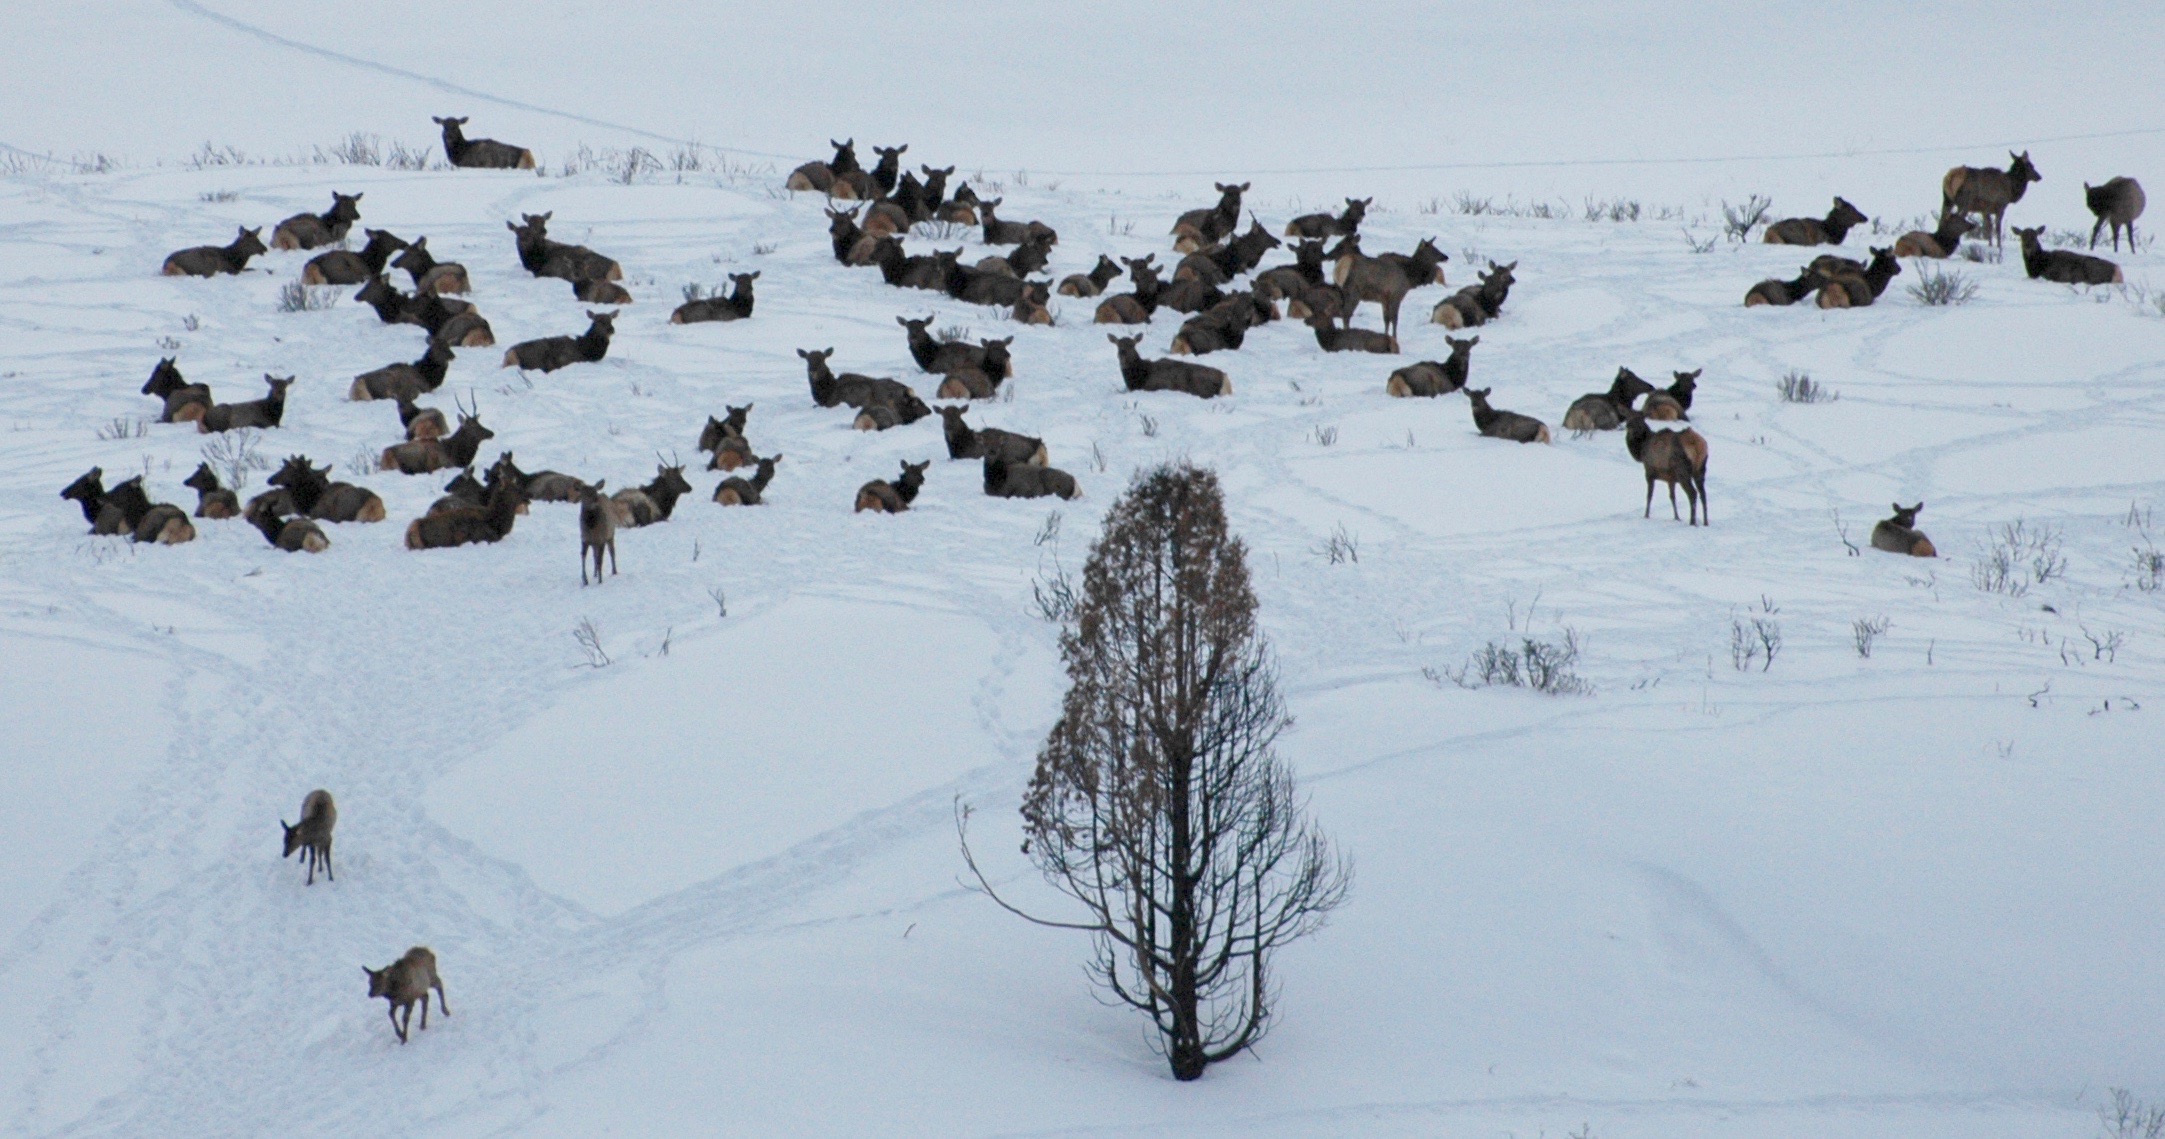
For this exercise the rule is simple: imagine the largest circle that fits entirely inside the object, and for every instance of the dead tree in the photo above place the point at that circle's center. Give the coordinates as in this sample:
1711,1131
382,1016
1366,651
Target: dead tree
1159,805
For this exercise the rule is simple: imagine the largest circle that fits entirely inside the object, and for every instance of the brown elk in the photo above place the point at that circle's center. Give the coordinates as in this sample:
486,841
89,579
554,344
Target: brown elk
1673,402
1674,457
2064,266
545,258
211,260
964,442
736,306
725,437
999,232
893,496
552,352
265,412
1386,280
1843,287
305,489
1940,243
1605,411
739,491
1218,264
1433,378
1004,479
421,456
936,272
540,486
2116,203
184,402
597,531
1223,325
448,321
1332,338
1476,305
212,500
1165,375
481,153
1829,230
639,506
1092,283
1325,225
1988,192
312,835
308,231
830,390
293,535
430,275
1774,291
1134,307
1504,424
846,236
126,509
820,176
421,422
404,381
345,267
1899,534
490,522
405,981
1198,228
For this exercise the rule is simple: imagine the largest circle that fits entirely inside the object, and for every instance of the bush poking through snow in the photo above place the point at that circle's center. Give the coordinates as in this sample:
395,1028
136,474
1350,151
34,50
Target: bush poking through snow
1799,387
1755,637
233,454
294,296
588,638
1738,222
1342,546
2129,1118
2016,559
1547,667
1866,631
1942,286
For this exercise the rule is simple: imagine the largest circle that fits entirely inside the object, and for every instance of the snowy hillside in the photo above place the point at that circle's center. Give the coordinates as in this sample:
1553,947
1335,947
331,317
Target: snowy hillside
711,885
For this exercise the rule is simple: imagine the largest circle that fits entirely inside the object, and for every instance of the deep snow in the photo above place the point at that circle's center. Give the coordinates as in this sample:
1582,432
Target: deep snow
711,887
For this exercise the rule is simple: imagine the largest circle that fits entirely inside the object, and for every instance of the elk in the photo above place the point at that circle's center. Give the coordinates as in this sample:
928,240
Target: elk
941,357
421,422
963,442
846,235
1198,228
265,412
430,275
553,352
1386,280
308,490
1092,283
1324,225
126,509
344,267
830,390
909,197
2116,203
883,218
1423,266
545,258
893,496
184,402
1940,243
1988,192
1164,375
1223,325
999,232
1033,307
2064,265
1135,307
597,531
935,191
421,456
1605,411
739,491
1829,230
1774,291
736,306
1673,402
1430,378
1841,287
481,153
307,231
1004,479
540,486
449,322
489,522
1189,296
820,176
983,287
981,380
1477,305
1504,424
1220,263
405,981
960,209
890,164
1332,338
312,835
404,381
1283,281
293,535
639,506
211,260
936,272
212,500
463,490
724,439
1674,457
1899,534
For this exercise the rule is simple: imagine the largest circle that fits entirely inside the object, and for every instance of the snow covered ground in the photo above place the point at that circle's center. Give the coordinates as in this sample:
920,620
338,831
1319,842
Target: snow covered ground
711,887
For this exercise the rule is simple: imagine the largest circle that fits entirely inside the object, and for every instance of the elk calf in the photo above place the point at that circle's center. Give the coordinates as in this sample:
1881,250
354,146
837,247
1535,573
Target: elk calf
1899,534
893,496
2064,266
597,531
1817,231
211,260
307,231
481,153
2117,203
312,835
1674,457
405,981
553,352
1430,378
1504,424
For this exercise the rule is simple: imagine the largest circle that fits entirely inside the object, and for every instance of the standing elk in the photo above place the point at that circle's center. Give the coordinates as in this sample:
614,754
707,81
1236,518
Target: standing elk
1988,192
312,835
2117,203
405,981
597,531
1674,457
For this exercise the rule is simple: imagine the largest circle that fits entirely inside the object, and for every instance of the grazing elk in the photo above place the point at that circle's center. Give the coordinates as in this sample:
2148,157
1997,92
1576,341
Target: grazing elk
1476,305
1432,378
1223,325
1325,225
597,531
345,267
1004,479
552,352
1899,534
430,275
736,306
739,491
1775,291
1198,228
1332,338
1605,411
421,456
963,442
1988,192
1092,283
1673,402
2116,203
301,488
265,412
2064,265
861,392
820,176
211,260
893,496
639,506
407,980
184,402
1843,287
293,535
212,500
489,522
1674,457
1829,230
1940,243
1504,424
481,153
1165,375
308,231
404,381
1134,307
312,835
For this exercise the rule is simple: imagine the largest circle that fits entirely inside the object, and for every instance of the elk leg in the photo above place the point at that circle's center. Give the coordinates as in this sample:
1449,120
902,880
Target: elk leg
1673,515
327,875
446,1005
1706,505
424,1011
2100,225
612,559
1649,511
393,1014
311,854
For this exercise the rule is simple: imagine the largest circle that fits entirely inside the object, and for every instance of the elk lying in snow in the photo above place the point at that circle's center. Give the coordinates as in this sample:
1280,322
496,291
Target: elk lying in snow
490,522
963,442
989,287
421,422
1217,264
1845,285
545,258
1988,192
1135,307
448,321
345,267
739,491
1324,225
293,535
265,412
893,496
2117,203
655,502
422,456
820,176
934,194
552,352
1331,338
405,981
1164,375
1223,325
1004,479
212,500
430,275
1674,457
1198,228
1033,254
184,402
1673,402
308,231
404,381
463,490
2064,265
211,260
979,380
1605,411
736,306
851,245
597,531
937,272
1504,424
1092,283
941,357
999,232
301,488
1939,243
960,209
724,439
1284,281
1899,534
312,835
599,292
861,392
126,509
481,153
1774,291
1476,305
540,486
1431,378
1829,230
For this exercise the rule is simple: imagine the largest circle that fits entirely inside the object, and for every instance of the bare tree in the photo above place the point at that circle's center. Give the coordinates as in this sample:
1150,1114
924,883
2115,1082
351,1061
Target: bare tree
1159,803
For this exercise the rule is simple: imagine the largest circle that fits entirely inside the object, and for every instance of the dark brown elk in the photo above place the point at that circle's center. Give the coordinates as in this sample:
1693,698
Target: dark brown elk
1829,230
1220,263
655,502
737,490
847,237
212,500
1223,325
2117,203
1134,307
553,352
265,412
404,381
1189,296
909,198
819,177
1034,306
600,292
935,192
540,486
979,380
960,209
184,402
308,231
1940,243
883,218
1004,479
312,835
1476,305
1988,192
405,981
545,258
421,422
736,306
481,153
2064,265
1166,375
211,260
999,232
1434,378
1504,424
1325,225
937,272
1385,282
1775,291
597,531
344,267
1673,402
422,456
885,170
964,442
126,509
1285,281
1332,338
858,391
430,275
1092,283
1674,457
489,522
893,496
1844,287
1899,534
718,433
1423,266
987,287
449,322
308,490
293,535
1198,228
1605,411
463,490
